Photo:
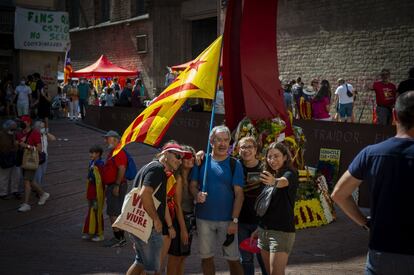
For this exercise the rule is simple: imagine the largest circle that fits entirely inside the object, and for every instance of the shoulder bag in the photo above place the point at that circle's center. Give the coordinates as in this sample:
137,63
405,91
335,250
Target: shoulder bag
263,200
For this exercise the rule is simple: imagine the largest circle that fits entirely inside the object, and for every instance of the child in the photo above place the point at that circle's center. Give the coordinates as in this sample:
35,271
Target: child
93,227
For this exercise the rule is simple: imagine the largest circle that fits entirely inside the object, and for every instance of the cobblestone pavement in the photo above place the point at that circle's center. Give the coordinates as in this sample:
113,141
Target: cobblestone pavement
47,240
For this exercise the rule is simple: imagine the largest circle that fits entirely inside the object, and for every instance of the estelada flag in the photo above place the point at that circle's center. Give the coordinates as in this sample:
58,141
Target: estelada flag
198,80
67,70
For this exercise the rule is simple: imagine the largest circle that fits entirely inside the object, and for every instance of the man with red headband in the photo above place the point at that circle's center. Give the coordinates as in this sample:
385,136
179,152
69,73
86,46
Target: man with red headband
153,177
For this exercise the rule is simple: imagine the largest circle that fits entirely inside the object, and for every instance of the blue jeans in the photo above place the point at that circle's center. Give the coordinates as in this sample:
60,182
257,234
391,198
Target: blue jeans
384,263
247,258
148,254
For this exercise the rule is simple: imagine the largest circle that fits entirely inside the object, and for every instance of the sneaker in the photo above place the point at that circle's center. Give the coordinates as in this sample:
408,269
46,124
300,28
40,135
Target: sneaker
114,242
24,207
86,236
98,239
43,198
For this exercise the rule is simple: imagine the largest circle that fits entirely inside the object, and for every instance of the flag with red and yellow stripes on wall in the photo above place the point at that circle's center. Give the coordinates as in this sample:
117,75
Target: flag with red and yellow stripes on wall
198,80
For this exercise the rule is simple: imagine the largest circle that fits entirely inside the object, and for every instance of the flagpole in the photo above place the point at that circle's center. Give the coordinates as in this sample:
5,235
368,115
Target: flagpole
213,111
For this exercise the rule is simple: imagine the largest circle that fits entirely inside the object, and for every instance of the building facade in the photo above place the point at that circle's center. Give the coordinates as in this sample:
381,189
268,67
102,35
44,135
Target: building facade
16,63
144,35
316,39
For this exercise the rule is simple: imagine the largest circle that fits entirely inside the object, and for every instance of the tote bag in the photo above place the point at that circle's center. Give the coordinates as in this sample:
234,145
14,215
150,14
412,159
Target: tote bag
134,219
30,159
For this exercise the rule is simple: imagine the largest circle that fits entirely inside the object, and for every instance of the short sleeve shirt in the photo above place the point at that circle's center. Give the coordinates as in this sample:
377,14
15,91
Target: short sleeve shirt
387,168
219,187
280,214
385,93
252,189
33,137
153,175
341,91
23,92
112,164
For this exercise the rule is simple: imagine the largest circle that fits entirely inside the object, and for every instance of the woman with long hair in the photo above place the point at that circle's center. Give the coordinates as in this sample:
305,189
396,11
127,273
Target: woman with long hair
180,246
321,102
276,231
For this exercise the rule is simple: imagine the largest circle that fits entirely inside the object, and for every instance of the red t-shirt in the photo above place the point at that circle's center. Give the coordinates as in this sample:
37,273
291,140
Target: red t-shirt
110,169
33,139
385,93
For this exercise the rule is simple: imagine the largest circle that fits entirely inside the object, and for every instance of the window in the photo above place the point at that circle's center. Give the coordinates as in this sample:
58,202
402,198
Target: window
73,10
105,8
139,7
142,43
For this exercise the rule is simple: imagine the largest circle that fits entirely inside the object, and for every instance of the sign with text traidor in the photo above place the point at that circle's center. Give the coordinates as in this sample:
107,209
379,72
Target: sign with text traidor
134,219
40,30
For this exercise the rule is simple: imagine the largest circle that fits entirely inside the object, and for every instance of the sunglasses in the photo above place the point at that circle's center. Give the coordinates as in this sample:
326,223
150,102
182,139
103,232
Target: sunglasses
177,156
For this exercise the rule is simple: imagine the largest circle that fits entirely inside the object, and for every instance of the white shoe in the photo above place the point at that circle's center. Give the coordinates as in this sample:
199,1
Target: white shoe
24,208
98,239
43,198
86,237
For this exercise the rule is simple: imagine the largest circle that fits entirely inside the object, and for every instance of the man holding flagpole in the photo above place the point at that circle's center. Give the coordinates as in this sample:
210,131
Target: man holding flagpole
219,202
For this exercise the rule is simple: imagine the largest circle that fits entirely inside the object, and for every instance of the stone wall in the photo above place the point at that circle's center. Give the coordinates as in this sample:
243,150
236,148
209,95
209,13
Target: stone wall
349,39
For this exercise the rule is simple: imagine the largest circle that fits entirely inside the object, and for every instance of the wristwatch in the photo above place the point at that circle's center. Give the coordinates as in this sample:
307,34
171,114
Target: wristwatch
236,220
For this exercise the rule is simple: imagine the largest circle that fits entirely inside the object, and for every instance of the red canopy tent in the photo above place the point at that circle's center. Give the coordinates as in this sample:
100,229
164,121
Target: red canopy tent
103,68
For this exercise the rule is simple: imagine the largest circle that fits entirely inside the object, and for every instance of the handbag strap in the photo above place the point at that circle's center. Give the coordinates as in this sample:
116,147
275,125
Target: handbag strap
28,135
140,179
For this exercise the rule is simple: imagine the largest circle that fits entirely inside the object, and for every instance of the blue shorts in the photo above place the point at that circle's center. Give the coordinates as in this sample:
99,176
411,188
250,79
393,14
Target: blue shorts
345,110
148,254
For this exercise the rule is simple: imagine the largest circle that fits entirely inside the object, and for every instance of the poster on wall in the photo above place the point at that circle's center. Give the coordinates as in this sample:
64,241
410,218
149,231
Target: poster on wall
328,165
40,30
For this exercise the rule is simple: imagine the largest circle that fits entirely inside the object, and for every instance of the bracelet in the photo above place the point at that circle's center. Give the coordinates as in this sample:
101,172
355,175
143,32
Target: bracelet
170,227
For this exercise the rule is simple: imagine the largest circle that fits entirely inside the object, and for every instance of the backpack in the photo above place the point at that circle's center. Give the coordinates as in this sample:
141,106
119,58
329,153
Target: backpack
131,169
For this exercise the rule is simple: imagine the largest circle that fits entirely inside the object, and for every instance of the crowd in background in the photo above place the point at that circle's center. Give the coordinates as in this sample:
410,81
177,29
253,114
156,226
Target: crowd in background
320,101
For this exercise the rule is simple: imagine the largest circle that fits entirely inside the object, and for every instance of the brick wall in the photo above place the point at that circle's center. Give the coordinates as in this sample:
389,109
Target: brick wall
349,39
164,29
118,43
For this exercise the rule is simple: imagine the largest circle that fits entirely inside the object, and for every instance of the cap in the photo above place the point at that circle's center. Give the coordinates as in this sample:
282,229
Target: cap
175,148
26,118
9,124
112,133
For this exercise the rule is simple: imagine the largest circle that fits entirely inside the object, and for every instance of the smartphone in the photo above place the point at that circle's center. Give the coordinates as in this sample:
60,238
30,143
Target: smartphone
229,240
253,177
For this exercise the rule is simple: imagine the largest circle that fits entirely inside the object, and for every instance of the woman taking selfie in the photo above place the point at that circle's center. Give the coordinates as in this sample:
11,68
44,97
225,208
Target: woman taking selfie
276,231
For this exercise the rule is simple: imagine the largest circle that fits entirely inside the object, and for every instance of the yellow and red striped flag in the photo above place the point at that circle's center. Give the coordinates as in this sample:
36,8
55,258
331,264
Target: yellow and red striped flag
198,80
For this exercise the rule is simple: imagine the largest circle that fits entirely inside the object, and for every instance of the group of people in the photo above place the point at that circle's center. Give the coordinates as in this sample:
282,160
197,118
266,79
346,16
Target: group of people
29,97
16,137
315,101
220,204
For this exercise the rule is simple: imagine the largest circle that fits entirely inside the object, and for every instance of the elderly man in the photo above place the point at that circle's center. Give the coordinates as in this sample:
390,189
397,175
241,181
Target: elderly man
386,168
153,177
113,176
219,203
